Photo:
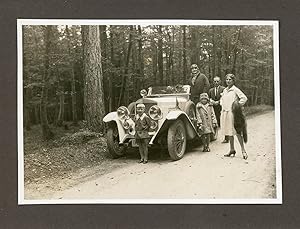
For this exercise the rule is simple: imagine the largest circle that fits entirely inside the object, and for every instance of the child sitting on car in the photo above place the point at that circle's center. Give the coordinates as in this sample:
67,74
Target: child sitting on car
142,126
206,120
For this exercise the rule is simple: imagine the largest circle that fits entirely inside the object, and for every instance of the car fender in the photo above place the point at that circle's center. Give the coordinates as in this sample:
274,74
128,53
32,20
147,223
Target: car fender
170,118
111,118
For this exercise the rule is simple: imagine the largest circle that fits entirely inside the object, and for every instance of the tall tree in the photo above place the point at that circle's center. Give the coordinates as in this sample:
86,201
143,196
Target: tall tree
141,58
111,90
124,78
47,133
184,70
235,50
160,56
93,86
61,95
105,66
154,60
214,51
73,82
195,58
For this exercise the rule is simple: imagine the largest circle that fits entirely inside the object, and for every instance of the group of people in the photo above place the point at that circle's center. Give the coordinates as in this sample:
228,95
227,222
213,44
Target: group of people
219,106
215,107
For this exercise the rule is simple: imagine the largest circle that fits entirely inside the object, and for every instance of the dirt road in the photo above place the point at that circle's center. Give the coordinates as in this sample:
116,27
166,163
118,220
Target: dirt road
197,175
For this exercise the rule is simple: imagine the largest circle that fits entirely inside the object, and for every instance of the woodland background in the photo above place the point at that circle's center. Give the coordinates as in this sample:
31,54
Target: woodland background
77,74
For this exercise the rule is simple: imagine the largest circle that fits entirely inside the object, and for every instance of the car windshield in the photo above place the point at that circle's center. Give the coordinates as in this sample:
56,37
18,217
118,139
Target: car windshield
167,90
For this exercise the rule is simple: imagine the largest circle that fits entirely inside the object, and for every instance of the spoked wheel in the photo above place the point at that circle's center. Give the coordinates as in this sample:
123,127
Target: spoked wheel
176,140
114,148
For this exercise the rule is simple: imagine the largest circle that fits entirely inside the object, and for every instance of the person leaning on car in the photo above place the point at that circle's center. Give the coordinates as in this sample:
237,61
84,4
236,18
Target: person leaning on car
199,83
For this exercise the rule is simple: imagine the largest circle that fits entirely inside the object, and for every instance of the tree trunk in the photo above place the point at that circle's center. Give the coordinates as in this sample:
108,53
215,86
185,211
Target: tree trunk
141,59
227,55
154,61
184,70
172,56
195,59
110,80
93,86
235,53
61,113
73,82
243,65
27,98
124,78
37,117
169,59
160,56
105,67
46,131
214,52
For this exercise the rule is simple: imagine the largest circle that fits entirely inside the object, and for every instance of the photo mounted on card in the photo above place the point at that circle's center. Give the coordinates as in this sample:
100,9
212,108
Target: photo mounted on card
148,111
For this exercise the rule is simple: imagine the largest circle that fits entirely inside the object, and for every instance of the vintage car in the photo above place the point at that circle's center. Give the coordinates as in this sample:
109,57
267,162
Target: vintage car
173,120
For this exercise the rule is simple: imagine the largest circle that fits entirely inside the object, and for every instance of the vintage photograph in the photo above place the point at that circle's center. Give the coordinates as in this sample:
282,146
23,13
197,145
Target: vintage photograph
148,111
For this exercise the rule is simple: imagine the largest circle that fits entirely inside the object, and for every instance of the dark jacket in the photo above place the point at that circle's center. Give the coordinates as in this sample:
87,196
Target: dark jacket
142,126
201,85
213,96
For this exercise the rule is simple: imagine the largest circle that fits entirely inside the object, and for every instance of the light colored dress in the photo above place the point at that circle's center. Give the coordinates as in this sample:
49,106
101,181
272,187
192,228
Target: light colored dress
228,97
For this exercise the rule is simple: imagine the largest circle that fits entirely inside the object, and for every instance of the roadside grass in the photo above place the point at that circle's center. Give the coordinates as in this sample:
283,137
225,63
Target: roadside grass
69,151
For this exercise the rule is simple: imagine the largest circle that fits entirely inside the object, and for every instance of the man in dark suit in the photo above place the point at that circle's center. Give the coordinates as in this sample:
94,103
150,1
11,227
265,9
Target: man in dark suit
215,96
199,83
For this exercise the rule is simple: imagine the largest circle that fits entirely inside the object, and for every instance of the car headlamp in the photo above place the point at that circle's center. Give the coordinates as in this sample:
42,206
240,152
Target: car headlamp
143,93
155,112
123,113
126,125
153,125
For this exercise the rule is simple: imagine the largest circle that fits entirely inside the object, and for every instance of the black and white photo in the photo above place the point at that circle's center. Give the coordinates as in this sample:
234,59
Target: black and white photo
148,111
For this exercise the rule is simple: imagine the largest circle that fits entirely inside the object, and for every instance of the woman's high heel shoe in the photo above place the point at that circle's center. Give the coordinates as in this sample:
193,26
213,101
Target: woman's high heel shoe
232,152
245,155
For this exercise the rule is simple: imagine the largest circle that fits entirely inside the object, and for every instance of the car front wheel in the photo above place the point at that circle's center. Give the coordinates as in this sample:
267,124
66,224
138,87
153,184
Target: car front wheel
114,148
176,140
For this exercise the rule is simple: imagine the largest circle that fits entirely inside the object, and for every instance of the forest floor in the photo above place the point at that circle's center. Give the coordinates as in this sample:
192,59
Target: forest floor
74,156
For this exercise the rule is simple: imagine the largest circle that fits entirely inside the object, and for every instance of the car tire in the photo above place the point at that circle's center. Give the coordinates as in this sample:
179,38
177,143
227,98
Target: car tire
176,140
112,136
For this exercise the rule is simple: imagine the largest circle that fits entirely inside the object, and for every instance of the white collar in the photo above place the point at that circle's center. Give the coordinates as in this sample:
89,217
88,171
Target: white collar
205,107
141,117
231,89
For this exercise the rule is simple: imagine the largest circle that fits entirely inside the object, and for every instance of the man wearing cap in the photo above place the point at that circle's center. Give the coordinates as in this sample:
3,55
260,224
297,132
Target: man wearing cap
199,83
142,126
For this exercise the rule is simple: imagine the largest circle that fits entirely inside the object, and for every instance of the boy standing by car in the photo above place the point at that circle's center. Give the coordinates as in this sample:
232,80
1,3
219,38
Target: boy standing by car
206,120
142,126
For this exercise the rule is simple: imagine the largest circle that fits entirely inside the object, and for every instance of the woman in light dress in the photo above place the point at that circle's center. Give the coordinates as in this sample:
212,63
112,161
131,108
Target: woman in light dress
232,96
